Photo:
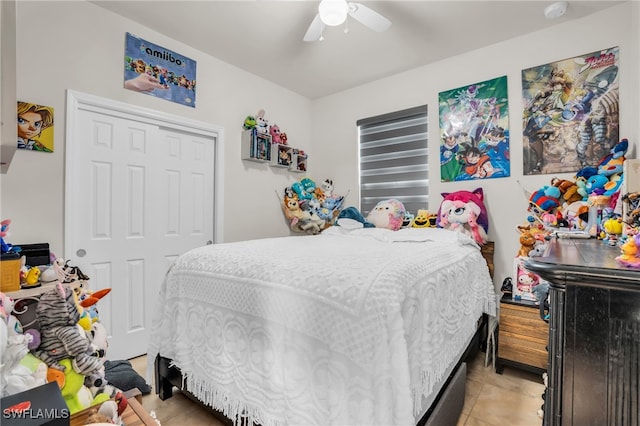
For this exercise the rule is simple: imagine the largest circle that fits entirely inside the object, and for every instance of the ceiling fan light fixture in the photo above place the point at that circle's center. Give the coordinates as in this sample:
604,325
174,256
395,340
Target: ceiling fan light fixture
333,12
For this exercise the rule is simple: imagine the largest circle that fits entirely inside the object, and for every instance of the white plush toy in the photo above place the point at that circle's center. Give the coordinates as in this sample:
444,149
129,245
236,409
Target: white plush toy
13,345
28,374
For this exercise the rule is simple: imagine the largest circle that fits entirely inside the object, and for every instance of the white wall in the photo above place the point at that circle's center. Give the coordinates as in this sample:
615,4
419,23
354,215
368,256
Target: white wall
77,45
334,117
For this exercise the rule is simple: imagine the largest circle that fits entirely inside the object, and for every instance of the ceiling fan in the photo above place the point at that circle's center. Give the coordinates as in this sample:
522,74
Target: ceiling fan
335,12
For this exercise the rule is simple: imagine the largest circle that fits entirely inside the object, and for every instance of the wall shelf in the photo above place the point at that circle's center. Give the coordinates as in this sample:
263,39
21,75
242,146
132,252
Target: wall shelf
258,147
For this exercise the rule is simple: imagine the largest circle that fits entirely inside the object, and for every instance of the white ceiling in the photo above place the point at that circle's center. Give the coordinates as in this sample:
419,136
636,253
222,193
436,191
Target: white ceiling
265,37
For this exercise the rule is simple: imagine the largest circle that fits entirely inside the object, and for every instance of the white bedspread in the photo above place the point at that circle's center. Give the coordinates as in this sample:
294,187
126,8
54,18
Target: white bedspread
342,328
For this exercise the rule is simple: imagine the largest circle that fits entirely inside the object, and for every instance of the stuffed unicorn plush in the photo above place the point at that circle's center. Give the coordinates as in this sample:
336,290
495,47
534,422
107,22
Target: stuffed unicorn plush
464,211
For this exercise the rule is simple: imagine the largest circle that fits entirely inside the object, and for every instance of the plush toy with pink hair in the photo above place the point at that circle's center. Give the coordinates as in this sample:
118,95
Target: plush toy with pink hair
464,211
387,214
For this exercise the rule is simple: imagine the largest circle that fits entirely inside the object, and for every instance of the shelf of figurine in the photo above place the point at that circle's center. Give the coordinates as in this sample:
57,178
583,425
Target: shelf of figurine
256,146
298,161
281,155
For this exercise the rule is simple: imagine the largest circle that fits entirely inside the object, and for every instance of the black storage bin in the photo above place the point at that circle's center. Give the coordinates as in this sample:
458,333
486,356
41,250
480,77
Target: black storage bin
36,254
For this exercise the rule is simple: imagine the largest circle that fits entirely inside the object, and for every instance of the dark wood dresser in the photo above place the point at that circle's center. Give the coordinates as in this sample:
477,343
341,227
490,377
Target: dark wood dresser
594,335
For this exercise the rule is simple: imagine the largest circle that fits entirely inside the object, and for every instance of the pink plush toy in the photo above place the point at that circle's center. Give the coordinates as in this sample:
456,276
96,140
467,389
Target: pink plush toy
274,130
464,211
387,214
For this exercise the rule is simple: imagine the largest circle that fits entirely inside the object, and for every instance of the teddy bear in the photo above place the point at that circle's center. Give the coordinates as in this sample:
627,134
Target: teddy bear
568,189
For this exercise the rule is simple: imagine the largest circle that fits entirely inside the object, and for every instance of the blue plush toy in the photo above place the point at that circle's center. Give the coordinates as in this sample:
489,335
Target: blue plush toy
304,189
351,218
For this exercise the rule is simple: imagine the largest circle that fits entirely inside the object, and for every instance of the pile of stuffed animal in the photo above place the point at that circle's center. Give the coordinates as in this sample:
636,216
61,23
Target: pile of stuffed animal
591,203
460,211
311,209
65,343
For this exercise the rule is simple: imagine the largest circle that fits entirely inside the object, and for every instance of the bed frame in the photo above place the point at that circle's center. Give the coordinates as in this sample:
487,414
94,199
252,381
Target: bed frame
445,409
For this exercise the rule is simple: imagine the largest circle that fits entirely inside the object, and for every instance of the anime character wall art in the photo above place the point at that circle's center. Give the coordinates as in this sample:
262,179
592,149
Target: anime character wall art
35,127
474,131
570,115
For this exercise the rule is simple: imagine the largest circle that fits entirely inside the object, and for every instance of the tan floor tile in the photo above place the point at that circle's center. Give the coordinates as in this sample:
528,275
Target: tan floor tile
499,407
473,421
471,394
515,380
476,369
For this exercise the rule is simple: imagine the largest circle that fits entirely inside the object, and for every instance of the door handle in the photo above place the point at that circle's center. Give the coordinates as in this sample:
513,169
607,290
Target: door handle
81,252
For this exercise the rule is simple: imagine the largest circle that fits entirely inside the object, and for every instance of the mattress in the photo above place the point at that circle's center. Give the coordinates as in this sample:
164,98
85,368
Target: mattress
346,327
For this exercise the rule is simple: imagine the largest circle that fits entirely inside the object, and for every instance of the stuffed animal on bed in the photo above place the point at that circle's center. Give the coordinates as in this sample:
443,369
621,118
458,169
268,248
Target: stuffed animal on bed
387,214
424,219
464,211
351,218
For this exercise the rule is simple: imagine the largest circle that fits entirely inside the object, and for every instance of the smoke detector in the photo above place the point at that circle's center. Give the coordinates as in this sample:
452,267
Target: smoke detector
556,10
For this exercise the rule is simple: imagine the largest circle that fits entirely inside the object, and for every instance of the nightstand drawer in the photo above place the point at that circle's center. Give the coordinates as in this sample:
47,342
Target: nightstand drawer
522,336
524,318
529,352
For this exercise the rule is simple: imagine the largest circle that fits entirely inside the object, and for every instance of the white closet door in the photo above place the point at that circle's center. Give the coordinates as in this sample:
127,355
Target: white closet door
143,196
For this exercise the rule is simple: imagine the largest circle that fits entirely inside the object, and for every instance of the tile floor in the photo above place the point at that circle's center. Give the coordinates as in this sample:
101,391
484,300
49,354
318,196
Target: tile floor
512,398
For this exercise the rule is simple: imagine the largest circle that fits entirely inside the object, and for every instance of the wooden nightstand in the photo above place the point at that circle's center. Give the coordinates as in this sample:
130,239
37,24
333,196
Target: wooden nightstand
522,336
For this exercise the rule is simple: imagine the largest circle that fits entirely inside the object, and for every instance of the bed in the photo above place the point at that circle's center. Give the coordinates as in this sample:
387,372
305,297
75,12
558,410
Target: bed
364,326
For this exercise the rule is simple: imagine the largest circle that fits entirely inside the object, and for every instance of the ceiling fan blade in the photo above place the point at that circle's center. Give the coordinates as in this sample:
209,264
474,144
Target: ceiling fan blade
314,32
368,17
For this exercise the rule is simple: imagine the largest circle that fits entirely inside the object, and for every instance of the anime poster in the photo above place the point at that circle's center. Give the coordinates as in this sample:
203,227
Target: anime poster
570,116
35,127
474,131
159,72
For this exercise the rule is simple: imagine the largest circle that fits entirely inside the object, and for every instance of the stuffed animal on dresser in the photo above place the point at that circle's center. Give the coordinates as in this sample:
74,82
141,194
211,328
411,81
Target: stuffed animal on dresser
527,242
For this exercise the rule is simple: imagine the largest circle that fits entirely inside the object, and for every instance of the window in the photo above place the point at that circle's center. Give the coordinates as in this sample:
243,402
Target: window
394,159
